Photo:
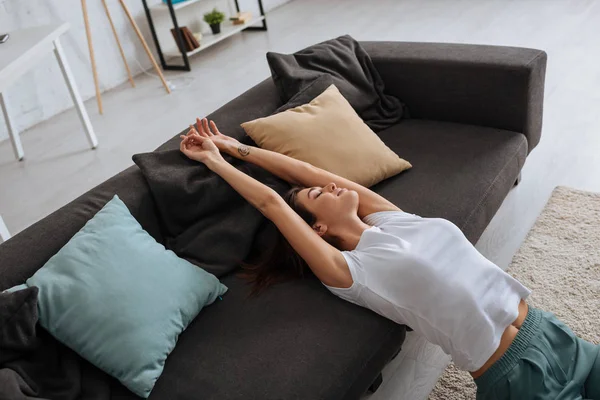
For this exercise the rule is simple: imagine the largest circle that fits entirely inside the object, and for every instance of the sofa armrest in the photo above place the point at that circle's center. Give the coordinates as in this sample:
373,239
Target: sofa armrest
494,86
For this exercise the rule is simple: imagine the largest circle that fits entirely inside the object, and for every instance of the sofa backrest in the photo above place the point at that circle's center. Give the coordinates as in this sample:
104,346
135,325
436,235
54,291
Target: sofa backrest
258,101
23,254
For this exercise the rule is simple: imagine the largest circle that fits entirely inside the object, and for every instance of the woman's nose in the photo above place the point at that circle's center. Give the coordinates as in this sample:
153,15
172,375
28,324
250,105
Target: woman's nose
332,186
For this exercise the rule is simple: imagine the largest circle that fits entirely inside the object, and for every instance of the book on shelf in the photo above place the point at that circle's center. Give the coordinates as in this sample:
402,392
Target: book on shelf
189,41
241,18
192,37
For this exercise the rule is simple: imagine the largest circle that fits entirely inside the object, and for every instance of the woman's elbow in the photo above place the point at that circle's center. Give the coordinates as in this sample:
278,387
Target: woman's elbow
269,202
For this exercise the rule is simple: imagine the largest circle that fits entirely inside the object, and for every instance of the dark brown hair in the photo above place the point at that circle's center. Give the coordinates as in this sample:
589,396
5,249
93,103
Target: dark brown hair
279,262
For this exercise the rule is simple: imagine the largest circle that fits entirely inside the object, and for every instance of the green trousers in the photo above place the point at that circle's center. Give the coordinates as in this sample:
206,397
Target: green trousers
545,361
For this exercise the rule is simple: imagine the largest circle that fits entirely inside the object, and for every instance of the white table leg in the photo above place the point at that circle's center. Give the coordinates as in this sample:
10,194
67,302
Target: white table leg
14,135
70,80
4,234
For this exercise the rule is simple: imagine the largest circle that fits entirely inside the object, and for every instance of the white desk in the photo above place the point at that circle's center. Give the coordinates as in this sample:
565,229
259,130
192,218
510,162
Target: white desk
24,50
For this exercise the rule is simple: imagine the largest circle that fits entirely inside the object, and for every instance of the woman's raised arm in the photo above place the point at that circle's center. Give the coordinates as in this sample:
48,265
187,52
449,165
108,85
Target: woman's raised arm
326,262
293,171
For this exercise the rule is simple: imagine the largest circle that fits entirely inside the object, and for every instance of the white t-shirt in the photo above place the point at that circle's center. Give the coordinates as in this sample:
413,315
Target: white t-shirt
423,272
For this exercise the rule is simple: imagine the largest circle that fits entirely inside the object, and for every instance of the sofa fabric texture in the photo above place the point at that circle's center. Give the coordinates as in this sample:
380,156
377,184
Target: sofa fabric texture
327,133
462,172
453,142
347,64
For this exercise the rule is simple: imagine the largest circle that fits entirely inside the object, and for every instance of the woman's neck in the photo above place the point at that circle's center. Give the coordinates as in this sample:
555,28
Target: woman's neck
348,234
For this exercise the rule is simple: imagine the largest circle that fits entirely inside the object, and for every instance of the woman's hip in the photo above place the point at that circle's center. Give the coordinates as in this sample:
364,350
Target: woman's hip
544,361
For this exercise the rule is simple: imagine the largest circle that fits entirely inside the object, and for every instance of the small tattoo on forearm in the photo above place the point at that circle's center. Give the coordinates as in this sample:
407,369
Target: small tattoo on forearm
243,150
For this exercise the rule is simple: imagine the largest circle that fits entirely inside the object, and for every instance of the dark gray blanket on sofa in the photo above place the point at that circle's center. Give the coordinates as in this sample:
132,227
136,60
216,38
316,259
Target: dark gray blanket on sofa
32,364
35,366
343,62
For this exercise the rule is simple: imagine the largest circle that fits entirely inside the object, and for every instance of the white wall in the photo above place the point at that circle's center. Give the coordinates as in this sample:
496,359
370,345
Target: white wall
41,93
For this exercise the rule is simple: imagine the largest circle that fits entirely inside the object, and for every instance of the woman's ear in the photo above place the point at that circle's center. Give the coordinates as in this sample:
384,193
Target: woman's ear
320,229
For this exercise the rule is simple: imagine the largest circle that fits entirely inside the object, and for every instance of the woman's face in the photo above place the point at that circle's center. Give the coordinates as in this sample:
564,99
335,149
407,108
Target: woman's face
330,204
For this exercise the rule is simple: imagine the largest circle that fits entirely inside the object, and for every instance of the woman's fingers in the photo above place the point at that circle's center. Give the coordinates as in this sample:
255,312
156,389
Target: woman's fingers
205,127
201,129
213,128
193,129
194,132
199,125
191,139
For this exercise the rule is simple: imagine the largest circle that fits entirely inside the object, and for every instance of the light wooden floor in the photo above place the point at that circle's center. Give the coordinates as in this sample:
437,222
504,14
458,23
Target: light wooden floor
59,167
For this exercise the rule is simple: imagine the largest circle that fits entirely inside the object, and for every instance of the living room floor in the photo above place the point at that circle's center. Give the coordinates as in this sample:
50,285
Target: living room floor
59,167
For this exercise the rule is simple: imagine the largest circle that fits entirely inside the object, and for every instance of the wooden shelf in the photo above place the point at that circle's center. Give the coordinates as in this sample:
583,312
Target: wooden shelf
227,30
164,7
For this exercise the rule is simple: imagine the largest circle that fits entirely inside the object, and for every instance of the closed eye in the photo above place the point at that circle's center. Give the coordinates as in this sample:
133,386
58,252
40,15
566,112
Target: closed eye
312,190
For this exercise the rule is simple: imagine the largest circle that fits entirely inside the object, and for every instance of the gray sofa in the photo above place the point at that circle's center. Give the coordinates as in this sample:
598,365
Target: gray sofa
476,113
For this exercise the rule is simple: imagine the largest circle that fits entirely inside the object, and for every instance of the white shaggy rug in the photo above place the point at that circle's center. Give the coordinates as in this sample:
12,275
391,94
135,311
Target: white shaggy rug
560,262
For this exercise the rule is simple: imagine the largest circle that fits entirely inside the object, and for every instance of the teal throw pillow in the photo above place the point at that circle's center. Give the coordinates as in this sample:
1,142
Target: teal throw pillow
120,299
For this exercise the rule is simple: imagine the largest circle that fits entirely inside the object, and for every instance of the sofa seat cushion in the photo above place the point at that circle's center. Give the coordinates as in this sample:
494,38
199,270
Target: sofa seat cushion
460,172
294,341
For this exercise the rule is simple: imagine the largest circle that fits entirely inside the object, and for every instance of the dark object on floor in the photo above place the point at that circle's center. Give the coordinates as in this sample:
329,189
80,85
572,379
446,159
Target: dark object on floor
350,69
475,114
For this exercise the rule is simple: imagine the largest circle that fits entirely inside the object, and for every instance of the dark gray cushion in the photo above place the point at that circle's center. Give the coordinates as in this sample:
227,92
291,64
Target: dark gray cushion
307,93
349,67
460,172
495,86
204,219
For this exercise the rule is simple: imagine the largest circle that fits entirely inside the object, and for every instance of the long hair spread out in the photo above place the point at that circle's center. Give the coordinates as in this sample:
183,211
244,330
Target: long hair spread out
278,261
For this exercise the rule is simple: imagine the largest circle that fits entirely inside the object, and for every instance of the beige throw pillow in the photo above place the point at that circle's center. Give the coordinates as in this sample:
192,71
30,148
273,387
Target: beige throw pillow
328,134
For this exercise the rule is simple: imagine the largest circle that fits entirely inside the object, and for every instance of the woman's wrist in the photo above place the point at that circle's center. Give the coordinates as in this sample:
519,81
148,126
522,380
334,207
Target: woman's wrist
242,150
237,150
215,163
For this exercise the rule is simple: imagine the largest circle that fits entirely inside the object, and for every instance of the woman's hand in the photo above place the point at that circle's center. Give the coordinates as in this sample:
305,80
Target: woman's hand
208,129
200,148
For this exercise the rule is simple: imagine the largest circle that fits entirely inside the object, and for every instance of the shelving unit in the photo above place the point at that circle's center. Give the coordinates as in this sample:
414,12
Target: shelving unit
227,30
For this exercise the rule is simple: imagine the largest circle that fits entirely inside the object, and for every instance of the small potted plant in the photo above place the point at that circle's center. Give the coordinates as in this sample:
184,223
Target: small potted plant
214,19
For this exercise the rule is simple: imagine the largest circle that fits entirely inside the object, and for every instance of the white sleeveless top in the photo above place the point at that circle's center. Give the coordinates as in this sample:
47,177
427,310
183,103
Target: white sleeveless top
423,272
